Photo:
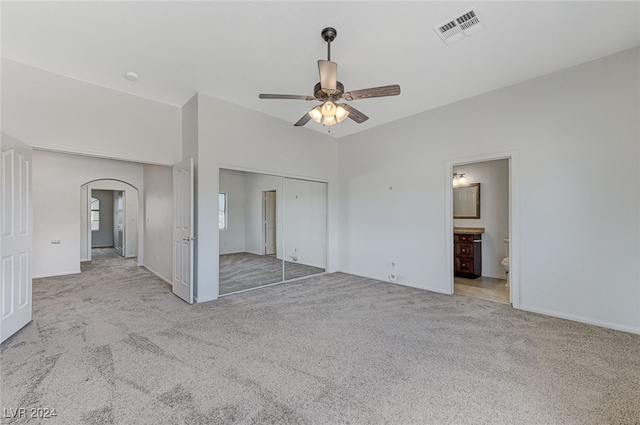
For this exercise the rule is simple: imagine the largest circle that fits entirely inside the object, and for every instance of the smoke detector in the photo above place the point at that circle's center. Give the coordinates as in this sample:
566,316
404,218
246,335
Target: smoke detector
458,27
131,76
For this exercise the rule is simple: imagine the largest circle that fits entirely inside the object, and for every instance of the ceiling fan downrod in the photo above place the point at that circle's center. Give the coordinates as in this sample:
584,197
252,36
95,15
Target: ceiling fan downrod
329,34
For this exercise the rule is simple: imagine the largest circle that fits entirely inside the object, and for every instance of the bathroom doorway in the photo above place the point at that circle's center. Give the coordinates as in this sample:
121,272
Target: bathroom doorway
480,211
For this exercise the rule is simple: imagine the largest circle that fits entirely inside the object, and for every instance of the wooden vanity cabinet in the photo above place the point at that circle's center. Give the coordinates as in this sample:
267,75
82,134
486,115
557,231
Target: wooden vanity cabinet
467,255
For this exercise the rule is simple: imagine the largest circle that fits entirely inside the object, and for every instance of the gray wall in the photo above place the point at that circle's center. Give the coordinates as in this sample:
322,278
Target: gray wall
575,135
104,236
61,207
80,117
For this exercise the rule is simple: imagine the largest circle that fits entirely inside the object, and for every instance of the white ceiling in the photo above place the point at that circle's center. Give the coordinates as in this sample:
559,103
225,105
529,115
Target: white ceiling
236,50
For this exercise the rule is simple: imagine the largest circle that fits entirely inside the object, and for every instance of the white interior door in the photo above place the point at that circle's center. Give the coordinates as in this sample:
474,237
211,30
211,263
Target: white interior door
270,222
183,235
15,291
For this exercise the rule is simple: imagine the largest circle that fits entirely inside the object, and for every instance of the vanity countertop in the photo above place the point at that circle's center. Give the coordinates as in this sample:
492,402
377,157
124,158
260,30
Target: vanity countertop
468,230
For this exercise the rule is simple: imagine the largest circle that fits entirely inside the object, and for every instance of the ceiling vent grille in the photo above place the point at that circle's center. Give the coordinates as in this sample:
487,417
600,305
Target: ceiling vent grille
459,27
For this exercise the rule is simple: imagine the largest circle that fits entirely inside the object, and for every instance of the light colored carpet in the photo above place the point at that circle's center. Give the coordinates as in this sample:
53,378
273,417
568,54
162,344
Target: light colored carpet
113,345
244,270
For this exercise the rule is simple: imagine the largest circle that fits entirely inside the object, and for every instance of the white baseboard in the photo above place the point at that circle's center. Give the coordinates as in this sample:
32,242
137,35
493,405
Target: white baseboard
307,264
233,252
157,274
402,283
575,318
203,300
581,319
41,275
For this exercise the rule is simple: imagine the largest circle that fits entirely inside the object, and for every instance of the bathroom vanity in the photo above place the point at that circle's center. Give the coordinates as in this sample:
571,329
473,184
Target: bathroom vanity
467,251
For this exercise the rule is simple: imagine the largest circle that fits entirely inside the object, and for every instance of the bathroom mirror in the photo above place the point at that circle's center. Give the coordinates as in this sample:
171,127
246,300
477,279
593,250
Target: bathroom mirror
466,201
272,229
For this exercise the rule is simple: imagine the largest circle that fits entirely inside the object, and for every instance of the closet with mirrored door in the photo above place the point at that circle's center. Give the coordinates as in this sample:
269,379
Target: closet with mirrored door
272,229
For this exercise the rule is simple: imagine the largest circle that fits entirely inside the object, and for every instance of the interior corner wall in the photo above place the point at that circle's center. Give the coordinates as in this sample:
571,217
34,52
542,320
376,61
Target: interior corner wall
576,135
267,145
190,129
493,177
158,207
57,181
189,145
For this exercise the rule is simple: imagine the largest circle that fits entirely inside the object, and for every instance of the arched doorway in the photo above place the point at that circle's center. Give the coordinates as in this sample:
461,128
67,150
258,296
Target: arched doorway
109,216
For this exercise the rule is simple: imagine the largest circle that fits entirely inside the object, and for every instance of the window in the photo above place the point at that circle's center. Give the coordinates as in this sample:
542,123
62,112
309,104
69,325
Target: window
222,211
95,214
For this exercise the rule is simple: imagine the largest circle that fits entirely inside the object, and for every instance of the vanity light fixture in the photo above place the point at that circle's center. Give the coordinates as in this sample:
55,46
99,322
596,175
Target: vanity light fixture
458,178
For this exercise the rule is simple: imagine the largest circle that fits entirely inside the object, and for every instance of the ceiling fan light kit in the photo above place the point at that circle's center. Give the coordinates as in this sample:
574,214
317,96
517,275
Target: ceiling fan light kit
329,113
329,90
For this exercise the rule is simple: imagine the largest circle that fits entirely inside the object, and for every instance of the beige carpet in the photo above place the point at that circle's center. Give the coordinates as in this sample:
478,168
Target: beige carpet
113,345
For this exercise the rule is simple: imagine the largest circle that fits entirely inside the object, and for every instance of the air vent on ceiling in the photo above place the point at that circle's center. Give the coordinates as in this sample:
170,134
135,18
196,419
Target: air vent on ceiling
459,27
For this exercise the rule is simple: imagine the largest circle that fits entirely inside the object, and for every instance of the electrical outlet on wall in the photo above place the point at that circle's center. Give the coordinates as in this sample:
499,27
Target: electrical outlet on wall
392,271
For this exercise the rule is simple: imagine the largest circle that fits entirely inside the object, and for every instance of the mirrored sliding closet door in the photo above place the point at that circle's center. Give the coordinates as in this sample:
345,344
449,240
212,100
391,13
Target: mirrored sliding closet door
272,229
305,228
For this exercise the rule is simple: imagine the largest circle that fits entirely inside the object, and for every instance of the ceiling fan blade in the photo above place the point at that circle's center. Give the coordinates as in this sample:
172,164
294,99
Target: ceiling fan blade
354,114
285,96
392,90
302,121
328,76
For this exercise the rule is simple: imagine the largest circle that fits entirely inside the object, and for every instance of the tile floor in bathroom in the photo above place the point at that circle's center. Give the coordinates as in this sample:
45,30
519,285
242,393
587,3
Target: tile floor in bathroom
486,288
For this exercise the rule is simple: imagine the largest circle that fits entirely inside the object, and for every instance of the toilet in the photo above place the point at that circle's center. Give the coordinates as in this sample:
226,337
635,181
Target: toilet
505,260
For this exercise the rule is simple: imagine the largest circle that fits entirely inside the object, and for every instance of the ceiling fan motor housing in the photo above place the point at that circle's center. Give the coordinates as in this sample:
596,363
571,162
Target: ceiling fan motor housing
321,95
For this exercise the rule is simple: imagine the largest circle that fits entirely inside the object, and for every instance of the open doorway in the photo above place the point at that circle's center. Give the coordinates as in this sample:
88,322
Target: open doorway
481,209
109,220
269,209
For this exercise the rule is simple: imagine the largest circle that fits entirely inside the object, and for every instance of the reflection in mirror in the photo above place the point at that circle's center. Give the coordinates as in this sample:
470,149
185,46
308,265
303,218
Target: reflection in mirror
305,227
265,219
250,222
466,201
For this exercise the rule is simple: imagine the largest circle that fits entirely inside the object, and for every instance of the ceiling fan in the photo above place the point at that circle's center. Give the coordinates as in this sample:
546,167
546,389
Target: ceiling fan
329,91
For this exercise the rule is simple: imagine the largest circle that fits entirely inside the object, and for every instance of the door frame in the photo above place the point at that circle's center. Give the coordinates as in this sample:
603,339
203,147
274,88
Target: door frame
264,215
85,222
514,218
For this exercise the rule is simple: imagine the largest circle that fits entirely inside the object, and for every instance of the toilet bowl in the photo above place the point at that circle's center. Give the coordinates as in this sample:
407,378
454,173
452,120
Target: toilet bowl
505,260
505,263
